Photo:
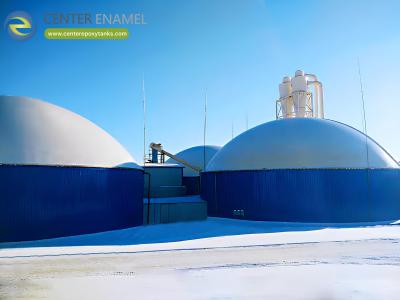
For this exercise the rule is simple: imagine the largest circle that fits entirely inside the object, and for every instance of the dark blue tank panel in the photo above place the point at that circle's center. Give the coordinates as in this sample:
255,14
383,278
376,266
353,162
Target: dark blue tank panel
192,184
309,195
40,202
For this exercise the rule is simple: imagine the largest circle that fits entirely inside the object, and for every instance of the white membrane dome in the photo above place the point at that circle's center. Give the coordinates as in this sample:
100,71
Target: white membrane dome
39,133
301,143
195,156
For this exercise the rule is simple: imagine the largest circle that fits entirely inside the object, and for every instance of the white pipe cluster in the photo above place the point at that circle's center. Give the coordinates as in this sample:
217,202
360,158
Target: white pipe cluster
295,97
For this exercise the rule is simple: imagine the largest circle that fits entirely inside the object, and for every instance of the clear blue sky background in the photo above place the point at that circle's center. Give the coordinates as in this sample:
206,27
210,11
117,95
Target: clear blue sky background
236,49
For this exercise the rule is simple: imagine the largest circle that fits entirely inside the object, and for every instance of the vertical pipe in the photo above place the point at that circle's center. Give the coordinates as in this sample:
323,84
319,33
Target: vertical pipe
154,156
318,90
321,102
316,100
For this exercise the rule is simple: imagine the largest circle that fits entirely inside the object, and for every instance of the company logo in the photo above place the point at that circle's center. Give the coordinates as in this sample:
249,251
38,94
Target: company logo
19,25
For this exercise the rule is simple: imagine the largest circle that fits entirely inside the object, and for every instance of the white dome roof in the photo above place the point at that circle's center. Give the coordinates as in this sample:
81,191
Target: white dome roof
300,143
195,156
40,133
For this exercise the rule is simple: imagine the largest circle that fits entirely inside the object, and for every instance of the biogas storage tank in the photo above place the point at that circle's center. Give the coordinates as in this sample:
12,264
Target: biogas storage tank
198,156
303,169
61,175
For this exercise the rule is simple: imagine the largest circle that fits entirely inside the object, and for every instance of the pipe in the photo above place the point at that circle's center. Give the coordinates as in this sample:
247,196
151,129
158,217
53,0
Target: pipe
159,148
313,77
322,101
320,93
316,102
320,98
154,156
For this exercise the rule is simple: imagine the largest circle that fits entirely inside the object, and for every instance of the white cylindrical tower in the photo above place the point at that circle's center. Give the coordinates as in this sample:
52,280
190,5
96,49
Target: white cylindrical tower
299,93
285,92
300,97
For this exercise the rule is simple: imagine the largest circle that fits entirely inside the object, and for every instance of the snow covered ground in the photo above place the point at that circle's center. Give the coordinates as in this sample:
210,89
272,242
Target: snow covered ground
213,259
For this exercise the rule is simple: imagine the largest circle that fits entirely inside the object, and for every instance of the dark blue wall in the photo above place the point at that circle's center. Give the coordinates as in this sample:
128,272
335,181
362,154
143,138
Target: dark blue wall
192,184
310,195
43,201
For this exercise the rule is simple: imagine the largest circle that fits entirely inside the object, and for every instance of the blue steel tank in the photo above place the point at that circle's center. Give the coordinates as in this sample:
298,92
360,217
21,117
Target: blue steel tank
61,175
303,170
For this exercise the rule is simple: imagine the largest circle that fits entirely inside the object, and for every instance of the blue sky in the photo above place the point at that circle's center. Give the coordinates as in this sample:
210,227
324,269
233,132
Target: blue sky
237,50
